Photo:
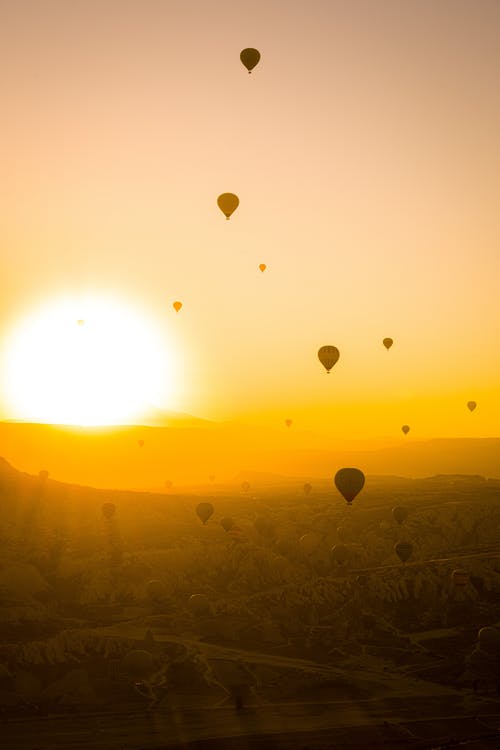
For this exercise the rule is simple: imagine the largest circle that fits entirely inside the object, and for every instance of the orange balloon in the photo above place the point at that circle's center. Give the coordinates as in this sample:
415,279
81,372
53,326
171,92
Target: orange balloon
262,267
177,306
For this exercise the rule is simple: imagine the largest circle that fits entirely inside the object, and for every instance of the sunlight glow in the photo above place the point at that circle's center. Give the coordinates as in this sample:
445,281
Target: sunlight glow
90,361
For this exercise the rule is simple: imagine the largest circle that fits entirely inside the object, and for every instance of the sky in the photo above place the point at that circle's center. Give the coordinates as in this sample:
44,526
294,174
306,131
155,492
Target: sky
365,151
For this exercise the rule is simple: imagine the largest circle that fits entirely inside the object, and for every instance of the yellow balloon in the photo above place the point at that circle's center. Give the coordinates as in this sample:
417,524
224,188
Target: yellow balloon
262,267
177,306
228,202
249,57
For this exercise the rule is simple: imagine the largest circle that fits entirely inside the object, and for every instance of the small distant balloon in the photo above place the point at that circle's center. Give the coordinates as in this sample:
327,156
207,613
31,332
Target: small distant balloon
140,443
262,267
471,405
108,510
199,604
399,513
307,488
228,203
204,511
349,483
288,422
328,356
388,343
227,523
460,577
80,322
405,429
249,57
177,306
245,486
403,550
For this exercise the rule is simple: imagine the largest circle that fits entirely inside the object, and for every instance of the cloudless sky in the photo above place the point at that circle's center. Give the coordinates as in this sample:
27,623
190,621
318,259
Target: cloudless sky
365,150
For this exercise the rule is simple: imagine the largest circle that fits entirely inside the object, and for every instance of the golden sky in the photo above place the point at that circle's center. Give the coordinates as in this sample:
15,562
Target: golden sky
365,151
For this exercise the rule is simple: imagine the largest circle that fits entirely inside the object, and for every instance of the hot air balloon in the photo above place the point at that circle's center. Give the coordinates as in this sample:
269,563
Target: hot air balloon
489,639
156,590
249,57
288,422
403,550
138,664
471,405
309,542
388,343
406,429
108,510
349,482
177,306
80,322
245,486
204,511
199,604
140,443
307,488
228,202
262,267
227,523
399,514
460,577
340,553
328,356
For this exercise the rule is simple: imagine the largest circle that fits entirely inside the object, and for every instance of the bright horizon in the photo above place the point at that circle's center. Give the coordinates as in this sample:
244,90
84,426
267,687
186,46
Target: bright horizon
364,150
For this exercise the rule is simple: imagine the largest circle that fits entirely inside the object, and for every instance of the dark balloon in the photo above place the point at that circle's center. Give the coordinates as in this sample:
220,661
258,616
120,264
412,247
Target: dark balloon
399,513
228,203
471,405
406,429
245,486
307,488
403,550
227,523
108,510
249,57
349,483
388,343
204,511
328,356
288,422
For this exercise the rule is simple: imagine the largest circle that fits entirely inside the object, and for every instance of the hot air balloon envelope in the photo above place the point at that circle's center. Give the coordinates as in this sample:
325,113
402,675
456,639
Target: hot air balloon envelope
406,429
349,483
262,267
403,550
249,57
387,343
177,306
204,511
471,405
399,514
328,356
228,202
108,510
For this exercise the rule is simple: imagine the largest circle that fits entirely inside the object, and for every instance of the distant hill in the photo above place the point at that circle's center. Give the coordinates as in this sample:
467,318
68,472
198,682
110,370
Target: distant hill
188,451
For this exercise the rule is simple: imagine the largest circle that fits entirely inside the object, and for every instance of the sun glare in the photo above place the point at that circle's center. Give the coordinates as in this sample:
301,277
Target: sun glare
95,361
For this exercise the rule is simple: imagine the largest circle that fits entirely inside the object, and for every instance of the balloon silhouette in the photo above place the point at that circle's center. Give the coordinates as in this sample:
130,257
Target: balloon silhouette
328,356
228,202
177,306
406,429
108,510
471,405
399,514
262,267
204,511
245,486
288,422
349,483
403,550
140,443
227,523
307,488
388,343
249,57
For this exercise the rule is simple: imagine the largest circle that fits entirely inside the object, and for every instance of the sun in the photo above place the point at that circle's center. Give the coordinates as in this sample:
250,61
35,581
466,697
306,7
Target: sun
90,361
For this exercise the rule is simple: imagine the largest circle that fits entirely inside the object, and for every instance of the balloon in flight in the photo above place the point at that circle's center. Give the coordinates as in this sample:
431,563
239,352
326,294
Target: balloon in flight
471,405
349,483
245,486
388,343
204,511
249,57
177,306
140,443
199,604
406,429
227,523
399,513
307,488
328,356
80,322
228,203
403,550
288,422
108,510
262,267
